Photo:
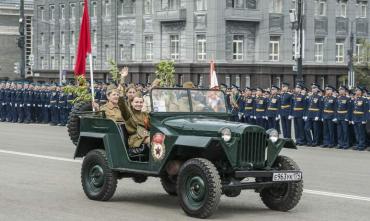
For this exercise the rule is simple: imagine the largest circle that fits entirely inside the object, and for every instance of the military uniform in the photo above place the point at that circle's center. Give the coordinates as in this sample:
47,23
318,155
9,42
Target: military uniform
285,112
27,102
260,111
298,110
247,108
54,113
37,104
2,103
272,112
328,116
8,103
62,109
360,109
112,112
312,119
343,116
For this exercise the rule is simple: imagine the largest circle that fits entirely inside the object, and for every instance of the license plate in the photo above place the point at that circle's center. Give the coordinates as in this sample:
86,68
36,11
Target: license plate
297,176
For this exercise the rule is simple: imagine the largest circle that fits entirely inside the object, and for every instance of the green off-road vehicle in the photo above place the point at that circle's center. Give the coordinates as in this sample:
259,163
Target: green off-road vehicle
195,150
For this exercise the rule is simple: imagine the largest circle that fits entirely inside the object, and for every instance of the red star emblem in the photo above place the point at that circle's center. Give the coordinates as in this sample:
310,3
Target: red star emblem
158,151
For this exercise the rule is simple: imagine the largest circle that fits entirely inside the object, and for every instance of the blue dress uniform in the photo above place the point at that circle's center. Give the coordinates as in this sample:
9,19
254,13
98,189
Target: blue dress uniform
343,116
2,102
260,106
70,98
46,110
298,110
8,103
18,114
62,108
328,116
13,105
37,106
272,112
360,108
286,102
312,119
54,113
103,97
248,103
27,103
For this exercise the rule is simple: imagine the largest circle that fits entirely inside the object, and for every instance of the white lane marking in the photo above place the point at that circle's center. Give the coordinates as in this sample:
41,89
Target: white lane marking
40,156
314,192
337,195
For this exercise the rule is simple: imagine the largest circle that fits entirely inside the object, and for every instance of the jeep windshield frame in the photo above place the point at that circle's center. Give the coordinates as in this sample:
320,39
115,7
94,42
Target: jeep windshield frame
188,101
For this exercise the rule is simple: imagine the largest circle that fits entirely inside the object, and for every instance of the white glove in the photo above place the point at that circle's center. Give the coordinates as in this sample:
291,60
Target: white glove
351,122
304,118
316,118
278,117
15,105
335,120
363,122
240,115
254,117
266,117
290,117
346,120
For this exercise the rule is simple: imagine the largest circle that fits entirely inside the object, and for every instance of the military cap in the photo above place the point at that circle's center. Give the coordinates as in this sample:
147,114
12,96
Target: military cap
247,89
315,85
253,89
275,87
234,86
343,87
223,85
329,87
286,84
360,88
188,85
260,89
299,85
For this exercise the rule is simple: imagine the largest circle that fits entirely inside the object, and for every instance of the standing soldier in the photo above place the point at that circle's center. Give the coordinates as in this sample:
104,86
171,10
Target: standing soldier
54,98
27,103
360,109
273,105
62,107
37,104
328,116
298,109
13,102
286,100
46,111
248,103
343,116
260,106
234,101
8,102
2,102
18,115
103,95
70,98
313,117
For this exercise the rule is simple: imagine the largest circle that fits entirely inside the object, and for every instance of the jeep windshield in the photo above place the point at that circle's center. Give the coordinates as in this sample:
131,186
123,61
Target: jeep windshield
188,100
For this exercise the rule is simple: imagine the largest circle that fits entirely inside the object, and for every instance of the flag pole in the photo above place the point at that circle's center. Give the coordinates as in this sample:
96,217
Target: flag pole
92,79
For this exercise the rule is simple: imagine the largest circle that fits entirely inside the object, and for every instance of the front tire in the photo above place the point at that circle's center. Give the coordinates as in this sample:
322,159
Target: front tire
199,188
284,196
99,182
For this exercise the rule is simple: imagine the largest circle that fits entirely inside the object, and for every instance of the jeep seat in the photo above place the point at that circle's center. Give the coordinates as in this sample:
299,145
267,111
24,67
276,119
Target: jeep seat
124,134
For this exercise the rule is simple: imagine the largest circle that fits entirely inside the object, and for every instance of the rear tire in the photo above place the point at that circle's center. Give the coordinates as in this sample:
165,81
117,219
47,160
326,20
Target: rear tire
199,188
99,182
74,121
284,196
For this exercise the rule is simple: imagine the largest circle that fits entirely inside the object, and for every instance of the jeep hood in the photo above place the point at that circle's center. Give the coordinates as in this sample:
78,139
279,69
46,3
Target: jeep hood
195,125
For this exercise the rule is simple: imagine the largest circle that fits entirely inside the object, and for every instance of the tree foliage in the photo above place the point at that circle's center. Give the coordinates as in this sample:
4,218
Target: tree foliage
362,64
165,72
113,70
80,90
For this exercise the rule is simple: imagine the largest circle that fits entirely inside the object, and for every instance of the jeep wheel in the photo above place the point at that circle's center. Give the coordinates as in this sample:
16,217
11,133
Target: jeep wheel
199,188
73,124
169,184
284,196
99,182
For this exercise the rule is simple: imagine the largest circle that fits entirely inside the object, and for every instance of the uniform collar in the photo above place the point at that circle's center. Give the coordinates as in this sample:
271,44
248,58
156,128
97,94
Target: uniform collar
111,106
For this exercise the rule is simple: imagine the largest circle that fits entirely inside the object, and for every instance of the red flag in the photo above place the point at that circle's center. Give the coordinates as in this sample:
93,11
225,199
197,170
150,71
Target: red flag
84,42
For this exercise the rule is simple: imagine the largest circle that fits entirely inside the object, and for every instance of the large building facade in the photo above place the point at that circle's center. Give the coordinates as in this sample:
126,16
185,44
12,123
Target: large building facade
251,41
10,53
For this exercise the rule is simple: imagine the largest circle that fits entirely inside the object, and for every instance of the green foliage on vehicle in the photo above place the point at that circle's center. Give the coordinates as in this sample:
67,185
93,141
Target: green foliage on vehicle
80,90
113,70
165,71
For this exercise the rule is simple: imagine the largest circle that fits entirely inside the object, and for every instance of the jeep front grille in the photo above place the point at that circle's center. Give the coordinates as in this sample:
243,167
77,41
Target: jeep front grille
252,149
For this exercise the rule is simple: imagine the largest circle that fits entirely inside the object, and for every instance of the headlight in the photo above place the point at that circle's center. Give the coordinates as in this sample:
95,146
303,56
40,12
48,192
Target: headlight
226,134
273,135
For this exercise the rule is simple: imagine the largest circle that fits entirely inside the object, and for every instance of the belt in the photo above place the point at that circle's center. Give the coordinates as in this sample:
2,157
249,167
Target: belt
358,112
328,111
249,108
344,112
272,108
52,102
260,110
285,106
298,109
313,109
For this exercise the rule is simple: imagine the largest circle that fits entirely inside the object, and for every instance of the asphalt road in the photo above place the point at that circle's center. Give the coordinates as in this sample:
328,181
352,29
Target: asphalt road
34,187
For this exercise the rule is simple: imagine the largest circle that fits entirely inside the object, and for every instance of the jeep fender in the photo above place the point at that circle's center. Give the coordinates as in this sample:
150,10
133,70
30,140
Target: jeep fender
274,149
88,142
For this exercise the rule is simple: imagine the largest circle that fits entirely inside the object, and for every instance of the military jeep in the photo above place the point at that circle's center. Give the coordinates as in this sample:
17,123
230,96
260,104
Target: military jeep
195,150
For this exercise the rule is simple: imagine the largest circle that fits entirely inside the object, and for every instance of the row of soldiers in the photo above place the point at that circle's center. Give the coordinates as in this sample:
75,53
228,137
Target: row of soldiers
326,118
25,102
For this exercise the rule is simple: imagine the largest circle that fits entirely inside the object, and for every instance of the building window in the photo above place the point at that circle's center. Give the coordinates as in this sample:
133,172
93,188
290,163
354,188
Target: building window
42,62
52,10
52,63
42,39
339,51
73,13
174,47
274,48
127,7
132,52
276,6
201,47
122,52
62,11
95,37
72,61
107,55
200,5
238,47
62,36
343,8
148,7
200,80
247,81
94,62
73,43
42,13
93,10
62,62
107,8
149,48
169,4
52,38
363,7
360,51
238,3
319,50
237,80
320,6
